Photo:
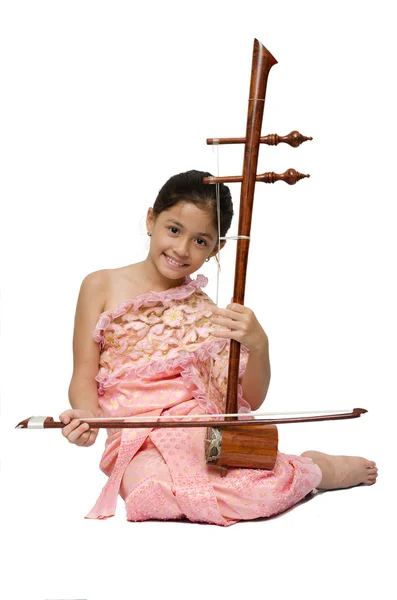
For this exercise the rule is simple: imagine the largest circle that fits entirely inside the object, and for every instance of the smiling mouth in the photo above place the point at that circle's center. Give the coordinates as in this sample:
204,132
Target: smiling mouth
173,262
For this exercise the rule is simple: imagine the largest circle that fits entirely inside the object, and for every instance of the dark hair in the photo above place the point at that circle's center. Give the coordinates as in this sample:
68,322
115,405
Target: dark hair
189,187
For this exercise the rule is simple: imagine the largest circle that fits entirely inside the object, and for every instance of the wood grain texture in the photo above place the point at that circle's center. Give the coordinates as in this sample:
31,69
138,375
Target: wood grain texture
262,61
293,139
253,448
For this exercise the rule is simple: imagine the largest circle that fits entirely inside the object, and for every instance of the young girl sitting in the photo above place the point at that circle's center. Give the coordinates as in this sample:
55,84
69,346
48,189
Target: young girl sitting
162,347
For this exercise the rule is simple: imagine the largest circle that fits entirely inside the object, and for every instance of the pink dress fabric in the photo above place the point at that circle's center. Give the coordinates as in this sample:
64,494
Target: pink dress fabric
156,352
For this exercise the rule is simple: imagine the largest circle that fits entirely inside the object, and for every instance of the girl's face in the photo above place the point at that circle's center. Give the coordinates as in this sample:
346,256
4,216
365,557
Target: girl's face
182,237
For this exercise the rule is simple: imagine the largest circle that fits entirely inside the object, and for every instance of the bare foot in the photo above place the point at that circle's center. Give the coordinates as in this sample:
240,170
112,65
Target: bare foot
343,471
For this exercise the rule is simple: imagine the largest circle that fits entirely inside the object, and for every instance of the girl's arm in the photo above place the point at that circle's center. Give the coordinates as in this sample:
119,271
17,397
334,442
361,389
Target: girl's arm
83,395
83,392
256,379
83,388
243,326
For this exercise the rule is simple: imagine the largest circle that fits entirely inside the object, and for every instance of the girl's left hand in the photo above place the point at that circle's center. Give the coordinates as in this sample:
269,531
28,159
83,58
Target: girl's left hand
242,326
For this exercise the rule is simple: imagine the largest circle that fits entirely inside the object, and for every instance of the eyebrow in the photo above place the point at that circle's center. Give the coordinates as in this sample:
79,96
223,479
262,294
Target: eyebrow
206,235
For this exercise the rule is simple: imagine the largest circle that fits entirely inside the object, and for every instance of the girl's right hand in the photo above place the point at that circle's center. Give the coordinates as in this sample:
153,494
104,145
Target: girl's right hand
76,432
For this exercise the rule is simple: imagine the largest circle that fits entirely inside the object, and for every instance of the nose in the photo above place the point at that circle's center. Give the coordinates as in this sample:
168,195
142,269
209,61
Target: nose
182,248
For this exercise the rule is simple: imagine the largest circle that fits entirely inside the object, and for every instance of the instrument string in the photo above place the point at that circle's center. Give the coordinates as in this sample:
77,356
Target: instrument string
215,149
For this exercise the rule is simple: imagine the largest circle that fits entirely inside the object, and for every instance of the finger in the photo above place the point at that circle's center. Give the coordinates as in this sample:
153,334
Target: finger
234,335
92,437
70,427
240,308
226,322
229,314
65,417
78,436
68,415
76,433
84,439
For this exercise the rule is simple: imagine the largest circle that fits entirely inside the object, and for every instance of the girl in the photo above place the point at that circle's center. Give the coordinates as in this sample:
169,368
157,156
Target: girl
162,347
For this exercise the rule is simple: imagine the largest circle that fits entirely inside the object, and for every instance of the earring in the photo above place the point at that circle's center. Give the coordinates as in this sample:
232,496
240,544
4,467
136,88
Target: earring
207,259
149,233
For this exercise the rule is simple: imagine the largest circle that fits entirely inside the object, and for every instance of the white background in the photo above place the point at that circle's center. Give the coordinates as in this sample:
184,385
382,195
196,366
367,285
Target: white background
101,103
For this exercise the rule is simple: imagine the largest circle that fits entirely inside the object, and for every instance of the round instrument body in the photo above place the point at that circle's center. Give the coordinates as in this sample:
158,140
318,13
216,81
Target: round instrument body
242,446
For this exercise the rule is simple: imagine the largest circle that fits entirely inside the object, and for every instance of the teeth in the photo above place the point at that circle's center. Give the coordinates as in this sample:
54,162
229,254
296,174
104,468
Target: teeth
174,262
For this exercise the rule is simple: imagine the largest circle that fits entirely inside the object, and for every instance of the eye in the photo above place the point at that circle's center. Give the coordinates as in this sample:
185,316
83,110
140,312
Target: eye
175,230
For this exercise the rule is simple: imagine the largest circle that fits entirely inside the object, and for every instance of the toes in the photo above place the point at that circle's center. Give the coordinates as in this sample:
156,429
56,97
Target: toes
371,464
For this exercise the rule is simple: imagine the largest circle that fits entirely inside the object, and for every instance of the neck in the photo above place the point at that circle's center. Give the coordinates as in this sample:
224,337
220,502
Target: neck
155,279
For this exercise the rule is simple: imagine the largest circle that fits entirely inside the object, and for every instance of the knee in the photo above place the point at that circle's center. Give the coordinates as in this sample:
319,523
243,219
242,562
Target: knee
308,453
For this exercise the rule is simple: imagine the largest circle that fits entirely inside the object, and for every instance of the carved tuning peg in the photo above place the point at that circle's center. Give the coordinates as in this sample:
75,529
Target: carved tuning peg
294,139
290,176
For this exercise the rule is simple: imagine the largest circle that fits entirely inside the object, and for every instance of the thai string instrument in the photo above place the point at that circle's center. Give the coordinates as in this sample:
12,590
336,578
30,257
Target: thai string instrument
232,439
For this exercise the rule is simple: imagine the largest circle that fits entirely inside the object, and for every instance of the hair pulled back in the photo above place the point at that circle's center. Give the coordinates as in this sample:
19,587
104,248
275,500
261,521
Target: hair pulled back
189,187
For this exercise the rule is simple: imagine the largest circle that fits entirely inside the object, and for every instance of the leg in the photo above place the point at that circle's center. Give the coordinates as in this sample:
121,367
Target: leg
146,487
343,471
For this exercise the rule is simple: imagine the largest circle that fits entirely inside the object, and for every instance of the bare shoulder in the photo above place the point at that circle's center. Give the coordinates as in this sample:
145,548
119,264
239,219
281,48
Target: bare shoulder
96,280
122,284
99,291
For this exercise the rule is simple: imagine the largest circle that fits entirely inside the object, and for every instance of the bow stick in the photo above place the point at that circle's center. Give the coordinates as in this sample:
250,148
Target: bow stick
182,420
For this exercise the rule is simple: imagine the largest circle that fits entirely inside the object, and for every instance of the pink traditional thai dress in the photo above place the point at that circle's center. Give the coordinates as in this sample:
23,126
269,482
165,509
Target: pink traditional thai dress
155,359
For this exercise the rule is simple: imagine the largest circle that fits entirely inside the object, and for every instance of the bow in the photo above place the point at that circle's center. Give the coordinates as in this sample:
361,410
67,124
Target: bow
219,420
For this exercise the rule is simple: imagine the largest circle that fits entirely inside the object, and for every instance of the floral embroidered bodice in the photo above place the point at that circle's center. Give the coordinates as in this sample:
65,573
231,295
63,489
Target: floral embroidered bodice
163,334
